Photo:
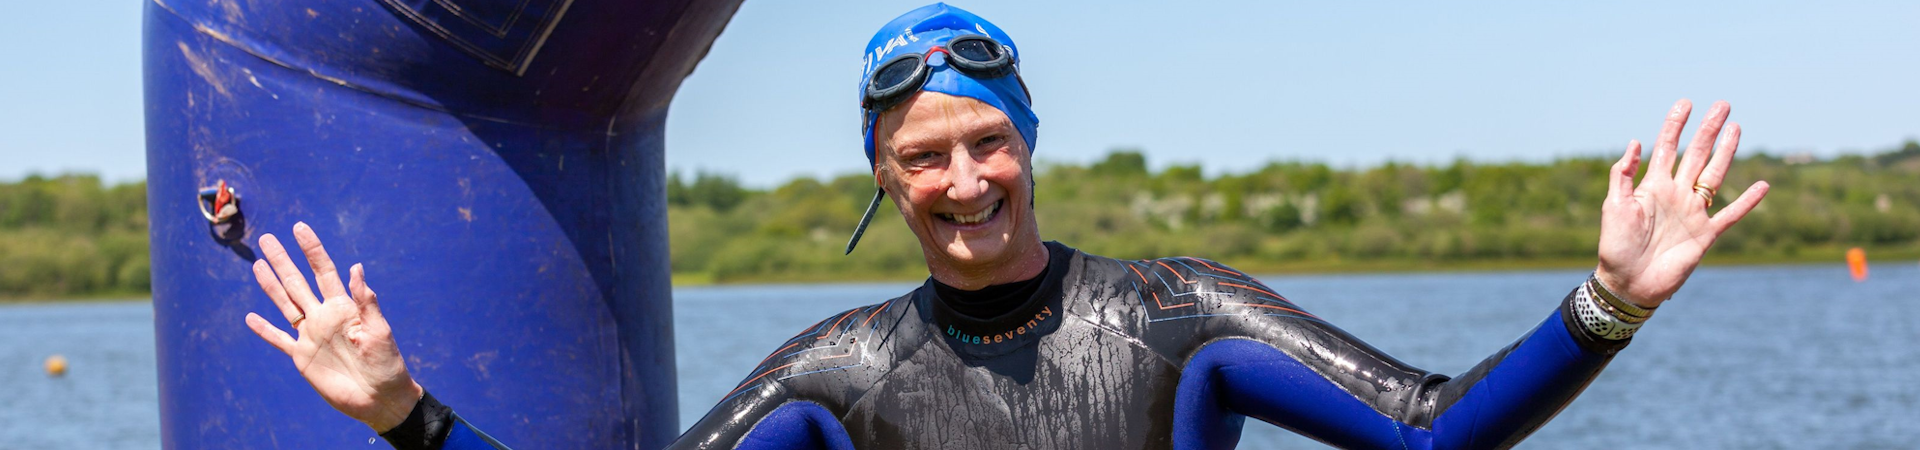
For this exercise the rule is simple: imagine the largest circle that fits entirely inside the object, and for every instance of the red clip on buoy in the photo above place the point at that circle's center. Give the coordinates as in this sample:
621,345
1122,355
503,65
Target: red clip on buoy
220,200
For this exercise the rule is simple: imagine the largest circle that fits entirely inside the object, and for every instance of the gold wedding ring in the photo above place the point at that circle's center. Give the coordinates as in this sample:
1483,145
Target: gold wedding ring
1705,193
296,321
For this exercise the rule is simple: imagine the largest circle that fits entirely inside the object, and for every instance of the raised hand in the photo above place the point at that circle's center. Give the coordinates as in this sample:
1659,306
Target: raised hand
345,349
1653,235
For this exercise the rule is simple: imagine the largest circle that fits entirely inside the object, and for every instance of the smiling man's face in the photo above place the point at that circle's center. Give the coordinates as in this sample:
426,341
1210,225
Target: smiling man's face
960,175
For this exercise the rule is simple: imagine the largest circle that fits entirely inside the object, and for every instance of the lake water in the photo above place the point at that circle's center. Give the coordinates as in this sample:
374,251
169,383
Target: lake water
1748,357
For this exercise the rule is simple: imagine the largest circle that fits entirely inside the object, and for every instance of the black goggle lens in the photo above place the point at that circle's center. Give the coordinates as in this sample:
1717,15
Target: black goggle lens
976,50
895,73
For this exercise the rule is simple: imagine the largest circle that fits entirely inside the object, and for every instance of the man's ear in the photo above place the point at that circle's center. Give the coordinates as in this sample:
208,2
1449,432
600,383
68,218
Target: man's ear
881,170
1033,191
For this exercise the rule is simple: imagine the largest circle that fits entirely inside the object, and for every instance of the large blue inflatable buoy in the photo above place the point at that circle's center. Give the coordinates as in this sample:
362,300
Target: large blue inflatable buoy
497,166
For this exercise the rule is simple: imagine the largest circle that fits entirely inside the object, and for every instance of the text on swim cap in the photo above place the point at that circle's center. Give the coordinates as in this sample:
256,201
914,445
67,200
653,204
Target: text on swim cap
880,52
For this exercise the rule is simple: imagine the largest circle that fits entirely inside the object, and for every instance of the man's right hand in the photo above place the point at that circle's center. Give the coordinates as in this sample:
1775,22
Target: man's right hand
345,349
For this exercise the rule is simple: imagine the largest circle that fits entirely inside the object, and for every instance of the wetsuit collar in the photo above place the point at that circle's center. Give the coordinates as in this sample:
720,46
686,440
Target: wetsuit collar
1002,315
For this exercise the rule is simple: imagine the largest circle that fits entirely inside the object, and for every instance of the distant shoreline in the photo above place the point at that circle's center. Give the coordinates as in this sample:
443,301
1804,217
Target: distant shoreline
1894,256
74,238
115,298
1818,256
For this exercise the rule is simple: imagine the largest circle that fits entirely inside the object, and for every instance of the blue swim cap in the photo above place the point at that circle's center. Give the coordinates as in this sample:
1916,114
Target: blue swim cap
920,30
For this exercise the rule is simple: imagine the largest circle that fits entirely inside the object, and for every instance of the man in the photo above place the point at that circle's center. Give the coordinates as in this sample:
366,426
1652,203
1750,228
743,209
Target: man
1013,342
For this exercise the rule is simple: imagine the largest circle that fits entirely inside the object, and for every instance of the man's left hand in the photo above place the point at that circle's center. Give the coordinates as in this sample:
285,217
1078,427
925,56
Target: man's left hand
1653,235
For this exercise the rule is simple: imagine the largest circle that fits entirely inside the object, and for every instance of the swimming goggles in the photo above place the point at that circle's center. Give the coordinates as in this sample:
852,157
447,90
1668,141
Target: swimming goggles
976,56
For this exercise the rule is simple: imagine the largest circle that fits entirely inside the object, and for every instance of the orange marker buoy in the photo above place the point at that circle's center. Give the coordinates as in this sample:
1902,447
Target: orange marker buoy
1857,263
56,366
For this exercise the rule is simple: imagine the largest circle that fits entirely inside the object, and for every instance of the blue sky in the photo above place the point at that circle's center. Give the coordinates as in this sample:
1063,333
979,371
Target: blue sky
1229,85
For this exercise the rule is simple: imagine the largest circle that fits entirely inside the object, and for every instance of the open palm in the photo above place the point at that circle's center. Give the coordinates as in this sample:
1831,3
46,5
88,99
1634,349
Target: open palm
345,348
1653,235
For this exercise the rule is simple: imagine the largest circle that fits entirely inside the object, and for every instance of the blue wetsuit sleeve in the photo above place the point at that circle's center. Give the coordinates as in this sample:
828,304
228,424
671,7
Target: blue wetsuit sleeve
464,436
766,417
765,412
1338,390
1511,395
739,414
791,426
798,425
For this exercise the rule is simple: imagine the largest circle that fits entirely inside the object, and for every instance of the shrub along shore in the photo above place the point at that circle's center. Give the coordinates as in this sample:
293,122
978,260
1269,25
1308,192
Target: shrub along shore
1304,217
72,236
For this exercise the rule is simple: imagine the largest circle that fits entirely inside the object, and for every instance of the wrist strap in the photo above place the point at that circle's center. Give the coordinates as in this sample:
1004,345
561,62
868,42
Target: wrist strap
426,426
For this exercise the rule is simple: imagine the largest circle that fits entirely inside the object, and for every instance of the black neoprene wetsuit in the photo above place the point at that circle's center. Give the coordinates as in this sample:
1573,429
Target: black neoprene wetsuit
1111,354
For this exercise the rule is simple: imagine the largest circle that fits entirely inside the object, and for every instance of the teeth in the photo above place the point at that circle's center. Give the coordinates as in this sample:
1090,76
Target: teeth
974,218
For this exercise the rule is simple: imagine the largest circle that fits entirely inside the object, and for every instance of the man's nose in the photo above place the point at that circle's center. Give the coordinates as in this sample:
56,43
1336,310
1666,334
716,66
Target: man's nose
963,178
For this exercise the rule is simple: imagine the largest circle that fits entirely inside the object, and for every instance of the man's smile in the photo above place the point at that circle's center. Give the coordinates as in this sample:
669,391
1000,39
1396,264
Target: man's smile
975,219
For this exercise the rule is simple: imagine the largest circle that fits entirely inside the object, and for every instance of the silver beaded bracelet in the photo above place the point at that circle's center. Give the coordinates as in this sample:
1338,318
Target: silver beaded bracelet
1626,311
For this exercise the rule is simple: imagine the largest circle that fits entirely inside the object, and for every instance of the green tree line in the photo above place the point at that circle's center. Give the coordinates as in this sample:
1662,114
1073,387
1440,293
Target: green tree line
1303,216
73,235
